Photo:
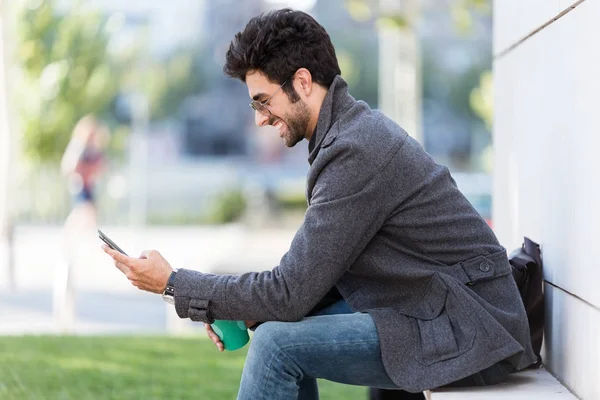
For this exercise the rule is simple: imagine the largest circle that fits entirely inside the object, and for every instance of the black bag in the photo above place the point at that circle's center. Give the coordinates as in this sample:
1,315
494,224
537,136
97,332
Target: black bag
526,264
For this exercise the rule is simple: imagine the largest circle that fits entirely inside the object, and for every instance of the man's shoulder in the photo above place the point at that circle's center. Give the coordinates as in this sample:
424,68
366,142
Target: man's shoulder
361,138
355,150
367,128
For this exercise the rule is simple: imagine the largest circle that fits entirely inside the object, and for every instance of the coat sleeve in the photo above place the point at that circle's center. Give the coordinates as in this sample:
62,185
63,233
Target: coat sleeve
343,217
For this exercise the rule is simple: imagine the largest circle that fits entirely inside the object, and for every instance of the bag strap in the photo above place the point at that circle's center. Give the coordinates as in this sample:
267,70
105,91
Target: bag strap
533,250
519,259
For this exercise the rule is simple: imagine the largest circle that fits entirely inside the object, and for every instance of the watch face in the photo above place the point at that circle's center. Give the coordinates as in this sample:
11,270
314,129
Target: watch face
169,299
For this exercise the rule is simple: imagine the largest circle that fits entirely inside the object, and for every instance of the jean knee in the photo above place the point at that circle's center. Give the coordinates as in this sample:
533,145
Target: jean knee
270,336
270,347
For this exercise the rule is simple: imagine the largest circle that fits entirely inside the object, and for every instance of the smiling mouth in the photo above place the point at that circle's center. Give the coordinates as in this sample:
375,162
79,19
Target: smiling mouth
279,125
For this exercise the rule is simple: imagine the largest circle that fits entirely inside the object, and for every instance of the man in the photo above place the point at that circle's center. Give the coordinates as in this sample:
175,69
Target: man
429,288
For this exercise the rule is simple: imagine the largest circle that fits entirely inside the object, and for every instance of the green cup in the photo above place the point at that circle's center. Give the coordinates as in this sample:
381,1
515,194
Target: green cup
233,334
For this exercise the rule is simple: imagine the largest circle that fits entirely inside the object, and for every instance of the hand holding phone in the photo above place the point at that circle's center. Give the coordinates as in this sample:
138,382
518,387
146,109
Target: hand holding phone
109,242
149,272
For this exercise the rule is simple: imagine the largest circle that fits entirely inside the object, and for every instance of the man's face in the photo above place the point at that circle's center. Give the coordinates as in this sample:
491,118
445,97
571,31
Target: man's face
290,119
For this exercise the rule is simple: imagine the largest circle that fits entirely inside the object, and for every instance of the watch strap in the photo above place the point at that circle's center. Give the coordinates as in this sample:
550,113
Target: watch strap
170,288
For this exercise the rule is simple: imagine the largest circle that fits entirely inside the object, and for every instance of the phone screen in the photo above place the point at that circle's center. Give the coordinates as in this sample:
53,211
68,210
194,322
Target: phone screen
109,242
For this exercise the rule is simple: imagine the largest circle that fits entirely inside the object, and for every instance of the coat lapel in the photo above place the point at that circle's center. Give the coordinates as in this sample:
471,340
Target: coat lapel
336,102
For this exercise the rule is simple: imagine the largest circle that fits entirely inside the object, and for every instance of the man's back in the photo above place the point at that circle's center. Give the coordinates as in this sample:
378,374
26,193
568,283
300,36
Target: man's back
426,266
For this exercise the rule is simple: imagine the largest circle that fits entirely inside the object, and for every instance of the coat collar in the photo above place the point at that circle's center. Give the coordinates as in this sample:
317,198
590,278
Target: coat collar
336,102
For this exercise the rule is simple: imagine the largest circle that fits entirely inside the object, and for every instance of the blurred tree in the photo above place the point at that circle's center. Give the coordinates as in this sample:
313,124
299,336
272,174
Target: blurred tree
470,93
481,98
463,13
65,73
482,102
67,70
461,10
356,46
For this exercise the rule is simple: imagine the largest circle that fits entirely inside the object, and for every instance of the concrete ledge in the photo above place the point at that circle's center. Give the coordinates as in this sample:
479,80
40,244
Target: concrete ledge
525,385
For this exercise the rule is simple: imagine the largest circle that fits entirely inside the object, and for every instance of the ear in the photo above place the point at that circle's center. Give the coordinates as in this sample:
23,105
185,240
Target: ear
303,81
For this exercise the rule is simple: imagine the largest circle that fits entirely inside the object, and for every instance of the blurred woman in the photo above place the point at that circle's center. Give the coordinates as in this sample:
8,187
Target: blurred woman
83,162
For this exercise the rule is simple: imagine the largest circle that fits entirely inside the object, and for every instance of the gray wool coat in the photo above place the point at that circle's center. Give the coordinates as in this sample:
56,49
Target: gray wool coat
388,227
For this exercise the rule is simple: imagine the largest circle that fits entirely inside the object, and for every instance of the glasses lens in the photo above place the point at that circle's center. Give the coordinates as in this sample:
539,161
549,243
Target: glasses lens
256,106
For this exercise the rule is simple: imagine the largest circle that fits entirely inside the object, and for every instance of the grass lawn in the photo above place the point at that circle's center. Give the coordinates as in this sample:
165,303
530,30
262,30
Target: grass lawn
126,367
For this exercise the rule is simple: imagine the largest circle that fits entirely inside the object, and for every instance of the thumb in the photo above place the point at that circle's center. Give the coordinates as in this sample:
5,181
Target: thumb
145,254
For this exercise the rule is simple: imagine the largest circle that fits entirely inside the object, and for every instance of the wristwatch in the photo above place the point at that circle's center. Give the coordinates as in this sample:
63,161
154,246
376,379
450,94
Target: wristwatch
169,293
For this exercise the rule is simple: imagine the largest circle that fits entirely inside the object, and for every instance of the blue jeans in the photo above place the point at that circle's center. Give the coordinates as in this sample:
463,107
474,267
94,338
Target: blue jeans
285,358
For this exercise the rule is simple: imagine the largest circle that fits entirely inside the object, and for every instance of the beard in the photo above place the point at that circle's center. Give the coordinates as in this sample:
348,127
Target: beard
296,123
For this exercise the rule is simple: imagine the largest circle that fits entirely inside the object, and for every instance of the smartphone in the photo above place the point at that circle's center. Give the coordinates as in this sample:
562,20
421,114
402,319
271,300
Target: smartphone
109,242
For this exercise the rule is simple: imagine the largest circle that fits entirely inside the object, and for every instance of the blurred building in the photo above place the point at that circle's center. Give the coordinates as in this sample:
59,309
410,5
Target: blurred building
216,121
546,187
171,23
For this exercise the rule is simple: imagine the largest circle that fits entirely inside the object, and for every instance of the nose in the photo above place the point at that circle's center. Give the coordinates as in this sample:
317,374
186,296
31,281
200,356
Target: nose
260,119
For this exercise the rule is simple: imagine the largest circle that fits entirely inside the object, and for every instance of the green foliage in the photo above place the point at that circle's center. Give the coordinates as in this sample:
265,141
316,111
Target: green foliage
295,201
462,12
126,367
482,98
228,206
65,73
224,207
482,103
403,18
360,10
397,21
457,85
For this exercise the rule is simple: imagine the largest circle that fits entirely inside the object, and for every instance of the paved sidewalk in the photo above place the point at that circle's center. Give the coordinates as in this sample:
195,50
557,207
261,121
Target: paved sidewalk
105,302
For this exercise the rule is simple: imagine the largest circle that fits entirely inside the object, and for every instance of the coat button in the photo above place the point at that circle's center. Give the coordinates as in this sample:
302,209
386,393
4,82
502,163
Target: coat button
484,266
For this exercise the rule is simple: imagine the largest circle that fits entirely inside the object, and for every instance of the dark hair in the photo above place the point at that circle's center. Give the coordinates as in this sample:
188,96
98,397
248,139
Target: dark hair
280,42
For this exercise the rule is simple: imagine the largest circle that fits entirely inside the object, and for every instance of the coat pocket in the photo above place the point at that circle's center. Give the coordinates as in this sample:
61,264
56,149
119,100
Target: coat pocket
448,334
